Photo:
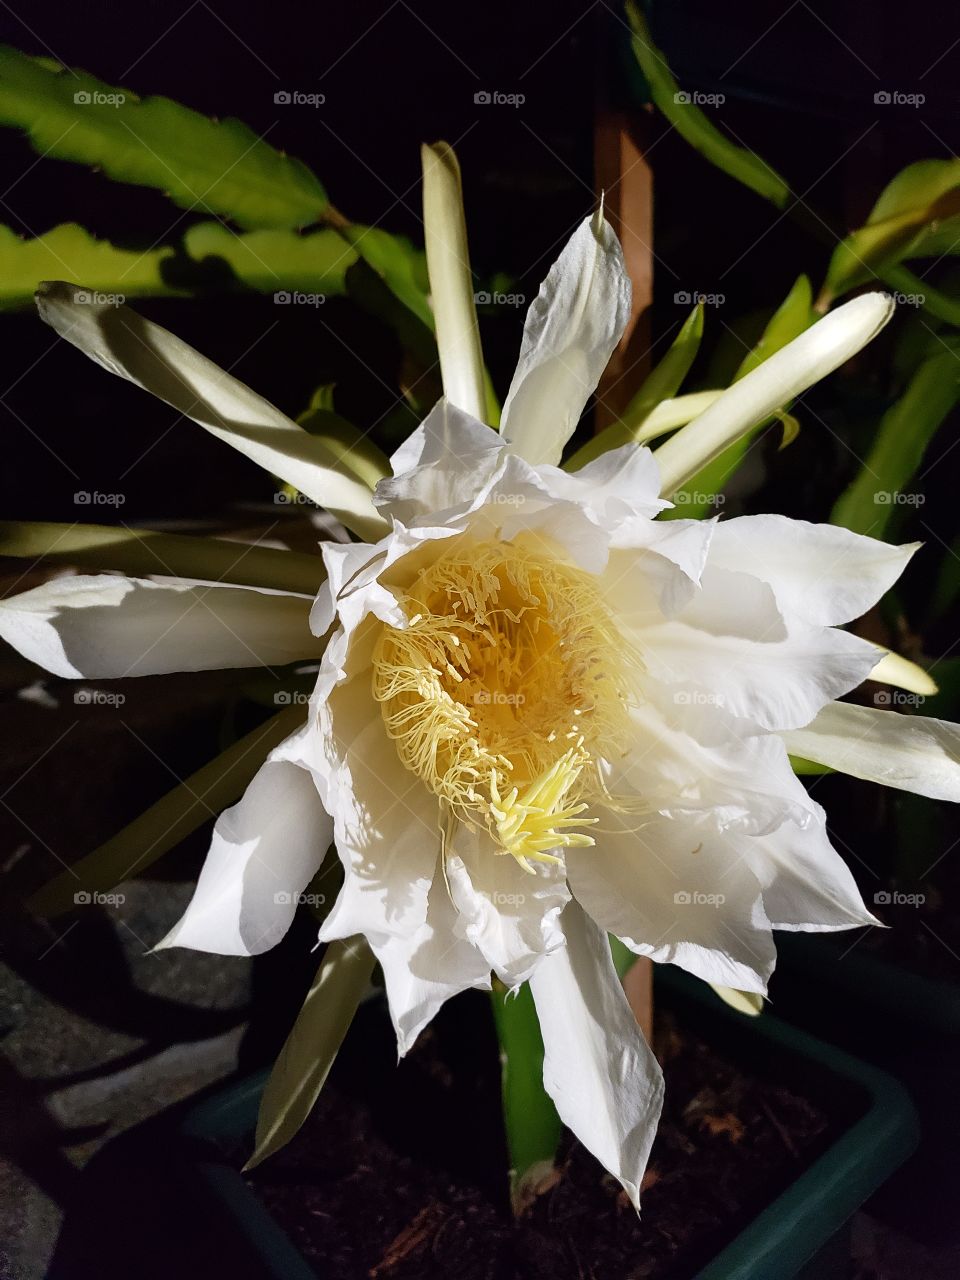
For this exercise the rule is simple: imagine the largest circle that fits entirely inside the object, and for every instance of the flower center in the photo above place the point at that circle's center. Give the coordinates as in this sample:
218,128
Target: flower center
504,692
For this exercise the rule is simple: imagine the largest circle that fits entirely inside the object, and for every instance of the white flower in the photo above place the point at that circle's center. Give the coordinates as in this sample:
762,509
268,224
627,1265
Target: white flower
541,715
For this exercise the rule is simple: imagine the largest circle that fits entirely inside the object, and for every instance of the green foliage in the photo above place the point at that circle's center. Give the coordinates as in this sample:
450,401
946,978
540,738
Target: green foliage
208,254
898,447
301,1070
916,216
175,555
211,166
529,1116
692,125
662,383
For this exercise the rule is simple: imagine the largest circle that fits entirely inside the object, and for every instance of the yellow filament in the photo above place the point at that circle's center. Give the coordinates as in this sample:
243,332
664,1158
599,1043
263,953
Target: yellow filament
504,691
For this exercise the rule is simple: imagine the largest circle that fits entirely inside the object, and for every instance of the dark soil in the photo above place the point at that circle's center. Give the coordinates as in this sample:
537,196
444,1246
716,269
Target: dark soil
400,1172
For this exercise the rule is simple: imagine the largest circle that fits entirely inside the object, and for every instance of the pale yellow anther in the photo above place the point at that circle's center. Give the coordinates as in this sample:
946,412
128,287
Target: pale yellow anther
509,667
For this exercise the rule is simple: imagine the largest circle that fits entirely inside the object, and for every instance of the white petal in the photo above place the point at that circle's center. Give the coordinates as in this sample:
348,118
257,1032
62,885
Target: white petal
818,572
423,970
386,822
621,483
598,1069
441,465
895,669
125,344
731,646
451,284
105,626
508,914
654,569
680,893
772,385
263,854
806,884
570,332
912,753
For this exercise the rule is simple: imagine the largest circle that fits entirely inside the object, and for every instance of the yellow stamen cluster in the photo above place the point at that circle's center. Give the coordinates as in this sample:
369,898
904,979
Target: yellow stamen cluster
504,692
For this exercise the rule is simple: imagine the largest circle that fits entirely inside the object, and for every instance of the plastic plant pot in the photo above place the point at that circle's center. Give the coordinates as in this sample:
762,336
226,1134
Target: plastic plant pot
801,1233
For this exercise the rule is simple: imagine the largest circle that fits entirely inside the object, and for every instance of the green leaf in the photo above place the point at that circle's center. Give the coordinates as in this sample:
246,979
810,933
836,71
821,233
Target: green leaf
209,253
181,811
908,285
271,260
880,487
661,384
397,262
917,215
791,318
347,444
305,1060
808,768
143,551
692,125
213,166
530,1118
947,588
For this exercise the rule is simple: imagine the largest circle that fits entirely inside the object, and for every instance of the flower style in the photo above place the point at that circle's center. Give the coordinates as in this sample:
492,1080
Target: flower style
542,715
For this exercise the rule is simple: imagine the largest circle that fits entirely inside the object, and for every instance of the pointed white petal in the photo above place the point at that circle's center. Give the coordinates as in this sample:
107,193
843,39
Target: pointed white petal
509,915
694,762
263,854
423,970
125,344
570,332
441,465
679,892
819,572
451,283
731,647
621,483
105,626
598,1069
772,385
911,753
894,669
806,884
